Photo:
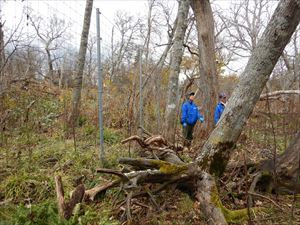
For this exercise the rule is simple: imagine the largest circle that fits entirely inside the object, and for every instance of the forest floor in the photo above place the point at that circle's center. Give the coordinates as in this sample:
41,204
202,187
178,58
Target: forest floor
34,148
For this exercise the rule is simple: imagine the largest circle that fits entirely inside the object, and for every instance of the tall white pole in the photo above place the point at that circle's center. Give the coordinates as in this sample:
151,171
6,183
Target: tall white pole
141,122
100,89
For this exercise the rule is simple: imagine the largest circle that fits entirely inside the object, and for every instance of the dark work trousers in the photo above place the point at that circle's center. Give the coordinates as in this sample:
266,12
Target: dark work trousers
188,134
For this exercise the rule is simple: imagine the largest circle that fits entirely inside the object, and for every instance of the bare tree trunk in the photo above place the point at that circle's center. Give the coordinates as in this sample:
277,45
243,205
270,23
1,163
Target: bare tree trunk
112,54
2,61
2,56
176,57
208,82
80,64
50,64
151,4
146,51
157,76
216,150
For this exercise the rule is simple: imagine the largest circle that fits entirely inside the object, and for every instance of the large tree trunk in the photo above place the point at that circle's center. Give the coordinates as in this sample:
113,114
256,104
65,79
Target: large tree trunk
176,57
216,150
208,82
80,64
284,175
207,195
288,166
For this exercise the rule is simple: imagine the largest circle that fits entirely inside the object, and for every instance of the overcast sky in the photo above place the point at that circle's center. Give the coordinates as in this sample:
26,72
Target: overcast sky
12,12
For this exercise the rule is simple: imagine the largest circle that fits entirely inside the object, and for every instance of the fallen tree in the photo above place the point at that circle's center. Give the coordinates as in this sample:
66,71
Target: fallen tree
278,94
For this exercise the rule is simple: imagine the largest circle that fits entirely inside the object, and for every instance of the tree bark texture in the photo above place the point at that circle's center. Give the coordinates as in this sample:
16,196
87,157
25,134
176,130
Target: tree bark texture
207,195
50,63
284,175
216,150
80,64
176,58
208,82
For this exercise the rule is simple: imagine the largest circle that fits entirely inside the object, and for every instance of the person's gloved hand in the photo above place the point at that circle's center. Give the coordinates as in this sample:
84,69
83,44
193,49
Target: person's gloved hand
201,119
184,124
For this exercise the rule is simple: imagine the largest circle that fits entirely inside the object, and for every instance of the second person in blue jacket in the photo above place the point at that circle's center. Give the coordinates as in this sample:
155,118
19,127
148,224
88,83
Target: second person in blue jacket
190,114
220,107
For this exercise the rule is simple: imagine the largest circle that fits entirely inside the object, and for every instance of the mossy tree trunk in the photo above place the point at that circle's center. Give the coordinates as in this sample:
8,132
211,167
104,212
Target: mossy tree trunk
210,204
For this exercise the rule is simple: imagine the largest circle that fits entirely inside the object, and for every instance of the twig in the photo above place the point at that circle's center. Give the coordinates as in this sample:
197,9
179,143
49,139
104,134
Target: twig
252,188
114,172
144,193
141,204
145,131
128,211
189,48
265,197
135,138
92,193
152,198
117,195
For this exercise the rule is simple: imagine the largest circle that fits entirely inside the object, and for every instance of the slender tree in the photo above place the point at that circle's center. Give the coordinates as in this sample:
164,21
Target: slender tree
176,58
2,59
80,64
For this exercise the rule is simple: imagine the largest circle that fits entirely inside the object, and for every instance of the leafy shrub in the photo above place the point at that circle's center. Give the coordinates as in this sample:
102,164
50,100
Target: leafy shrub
111,137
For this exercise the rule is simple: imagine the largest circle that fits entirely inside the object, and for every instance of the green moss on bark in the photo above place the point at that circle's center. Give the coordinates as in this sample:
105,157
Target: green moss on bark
232,216
169,168
220,159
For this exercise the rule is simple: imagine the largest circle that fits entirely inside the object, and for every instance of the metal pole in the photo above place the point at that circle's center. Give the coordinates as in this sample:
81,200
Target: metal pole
141,91
100,89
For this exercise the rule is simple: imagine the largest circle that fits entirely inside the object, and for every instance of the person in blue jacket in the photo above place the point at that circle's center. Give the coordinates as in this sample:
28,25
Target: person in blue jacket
190,114
220,107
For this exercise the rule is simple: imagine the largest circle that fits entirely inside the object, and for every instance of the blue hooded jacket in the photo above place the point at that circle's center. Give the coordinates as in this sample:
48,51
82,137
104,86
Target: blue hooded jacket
190,113
218,111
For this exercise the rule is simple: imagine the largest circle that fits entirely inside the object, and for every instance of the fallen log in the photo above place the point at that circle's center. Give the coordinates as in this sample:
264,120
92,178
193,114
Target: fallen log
277,94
